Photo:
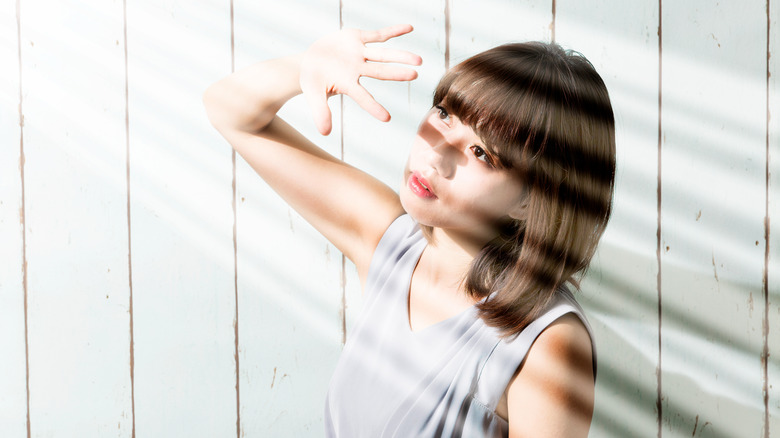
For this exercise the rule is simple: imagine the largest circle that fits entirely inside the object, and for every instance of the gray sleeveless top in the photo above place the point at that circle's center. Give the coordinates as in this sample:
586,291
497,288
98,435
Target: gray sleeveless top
442,381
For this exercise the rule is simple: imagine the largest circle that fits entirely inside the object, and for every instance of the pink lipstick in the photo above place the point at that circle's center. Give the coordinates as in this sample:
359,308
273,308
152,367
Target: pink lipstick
420,186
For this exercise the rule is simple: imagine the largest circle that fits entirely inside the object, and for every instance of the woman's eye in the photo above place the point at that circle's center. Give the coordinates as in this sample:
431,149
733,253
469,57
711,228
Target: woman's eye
480,154
443,114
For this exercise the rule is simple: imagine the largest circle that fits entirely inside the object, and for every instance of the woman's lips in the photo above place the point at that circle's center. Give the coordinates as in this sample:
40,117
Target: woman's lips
420,186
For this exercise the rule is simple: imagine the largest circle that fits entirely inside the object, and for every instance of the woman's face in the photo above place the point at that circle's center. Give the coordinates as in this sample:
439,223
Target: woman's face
450,181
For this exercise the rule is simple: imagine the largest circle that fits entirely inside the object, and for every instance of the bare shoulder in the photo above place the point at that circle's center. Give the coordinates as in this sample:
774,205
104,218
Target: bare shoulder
553,390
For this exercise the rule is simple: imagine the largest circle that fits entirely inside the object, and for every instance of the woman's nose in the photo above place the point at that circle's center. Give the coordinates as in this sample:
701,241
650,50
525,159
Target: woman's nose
442,158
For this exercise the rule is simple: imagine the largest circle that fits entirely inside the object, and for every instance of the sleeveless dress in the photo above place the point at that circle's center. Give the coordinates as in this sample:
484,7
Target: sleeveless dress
441,381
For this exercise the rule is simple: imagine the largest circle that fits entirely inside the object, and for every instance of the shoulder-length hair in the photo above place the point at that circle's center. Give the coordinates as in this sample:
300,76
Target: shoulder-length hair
545,114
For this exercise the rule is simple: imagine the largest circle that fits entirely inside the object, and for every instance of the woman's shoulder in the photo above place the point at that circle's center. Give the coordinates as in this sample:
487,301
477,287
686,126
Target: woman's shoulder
396,246
565,341
553,390
402,233
562,306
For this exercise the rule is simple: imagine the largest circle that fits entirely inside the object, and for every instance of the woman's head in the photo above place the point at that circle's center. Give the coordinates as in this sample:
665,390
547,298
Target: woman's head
451,182
545,114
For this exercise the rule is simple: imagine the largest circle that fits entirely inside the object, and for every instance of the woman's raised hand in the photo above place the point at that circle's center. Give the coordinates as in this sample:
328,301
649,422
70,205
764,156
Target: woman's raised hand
334,64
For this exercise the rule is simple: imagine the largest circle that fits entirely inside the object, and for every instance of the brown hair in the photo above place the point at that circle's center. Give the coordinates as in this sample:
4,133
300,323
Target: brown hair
545,114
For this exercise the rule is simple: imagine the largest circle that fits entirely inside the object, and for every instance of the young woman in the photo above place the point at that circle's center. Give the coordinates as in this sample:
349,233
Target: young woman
468,326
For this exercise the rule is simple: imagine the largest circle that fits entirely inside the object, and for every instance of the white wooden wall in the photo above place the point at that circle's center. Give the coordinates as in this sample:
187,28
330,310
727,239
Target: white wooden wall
151,285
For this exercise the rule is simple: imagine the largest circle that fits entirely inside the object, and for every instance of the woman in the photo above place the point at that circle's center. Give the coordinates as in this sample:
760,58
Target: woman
468,326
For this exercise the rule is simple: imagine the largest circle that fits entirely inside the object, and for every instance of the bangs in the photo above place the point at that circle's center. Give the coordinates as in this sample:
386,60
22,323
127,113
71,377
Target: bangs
506,110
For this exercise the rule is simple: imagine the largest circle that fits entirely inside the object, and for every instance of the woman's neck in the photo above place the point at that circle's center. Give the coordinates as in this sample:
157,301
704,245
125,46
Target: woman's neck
449,256
437,290
462,244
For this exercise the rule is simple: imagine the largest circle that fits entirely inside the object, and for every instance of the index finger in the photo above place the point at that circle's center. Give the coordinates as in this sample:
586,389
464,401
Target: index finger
384,34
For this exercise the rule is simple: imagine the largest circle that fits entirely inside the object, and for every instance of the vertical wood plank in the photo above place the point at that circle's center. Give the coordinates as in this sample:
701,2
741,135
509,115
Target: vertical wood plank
713,208
289,276
13,368
181,222
76,218
772,314
620,290
479,25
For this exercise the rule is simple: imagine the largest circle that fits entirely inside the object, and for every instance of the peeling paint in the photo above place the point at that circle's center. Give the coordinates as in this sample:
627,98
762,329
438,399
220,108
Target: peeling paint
447,26
714,268
712,35
130,298
23,223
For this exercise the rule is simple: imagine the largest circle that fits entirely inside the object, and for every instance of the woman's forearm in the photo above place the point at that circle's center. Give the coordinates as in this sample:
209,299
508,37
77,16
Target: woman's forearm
248,99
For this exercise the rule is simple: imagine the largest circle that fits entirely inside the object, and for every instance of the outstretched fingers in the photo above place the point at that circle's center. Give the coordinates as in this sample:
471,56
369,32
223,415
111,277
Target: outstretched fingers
335,63
377,64
388,72
380,54
384,34
366,101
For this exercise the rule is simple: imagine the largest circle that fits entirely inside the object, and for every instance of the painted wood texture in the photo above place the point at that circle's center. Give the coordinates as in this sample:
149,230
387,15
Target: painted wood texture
712,215
169,292
13,365
289,277
76,218
181,219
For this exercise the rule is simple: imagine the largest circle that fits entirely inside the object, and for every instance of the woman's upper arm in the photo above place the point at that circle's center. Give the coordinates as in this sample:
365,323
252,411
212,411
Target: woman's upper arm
349,207
552,393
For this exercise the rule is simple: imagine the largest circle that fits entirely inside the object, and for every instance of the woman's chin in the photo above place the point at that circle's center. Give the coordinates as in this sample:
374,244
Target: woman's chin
412,208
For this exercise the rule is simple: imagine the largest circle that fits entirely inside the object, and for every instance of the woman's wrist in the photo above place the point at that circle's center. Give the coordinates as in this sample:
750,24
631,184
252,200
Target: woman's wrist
248,99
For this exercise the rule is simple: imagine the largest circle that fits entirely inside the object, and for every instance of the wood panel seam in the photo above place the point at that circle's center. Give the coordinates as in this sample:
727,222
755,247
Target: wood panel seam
22,219
765,280
447,27
343,274
659,373
129,221
552,23
234,205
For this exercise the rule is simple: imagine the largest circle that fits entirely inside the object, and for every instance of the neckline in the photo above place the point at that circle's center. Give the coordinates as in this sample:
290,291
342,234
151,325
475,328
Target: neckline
408,307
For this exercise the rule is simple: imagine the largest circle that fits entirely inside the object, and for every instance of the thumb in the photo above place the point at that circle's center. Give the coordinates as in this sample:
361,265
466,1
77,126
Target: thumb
318,104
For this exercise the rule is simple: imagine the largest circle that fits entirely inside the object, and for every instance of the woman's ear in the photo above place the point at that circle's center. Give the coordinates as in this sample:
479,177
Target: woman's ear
520,211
